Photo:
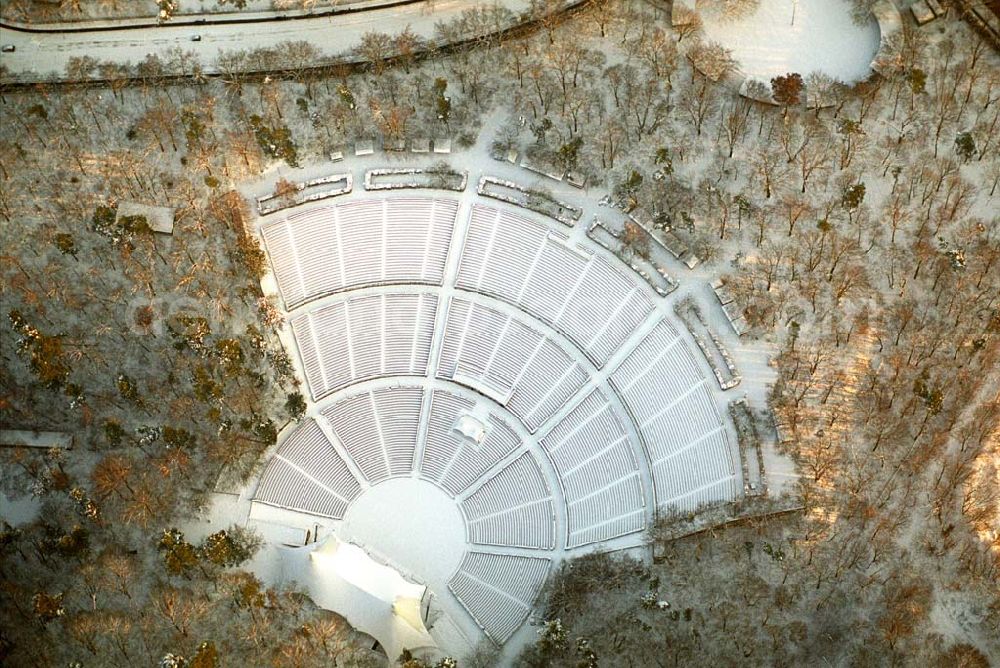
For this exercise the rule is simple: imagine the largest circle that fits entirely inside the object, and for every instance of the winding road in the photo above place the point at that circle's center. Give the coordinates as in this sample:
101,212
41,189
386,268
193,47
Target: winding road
43,55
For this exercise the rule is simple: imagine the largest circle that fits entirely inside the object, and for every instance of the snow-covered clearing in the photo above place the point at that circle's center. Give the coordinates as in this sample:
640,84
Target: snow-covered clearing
802,36
19,510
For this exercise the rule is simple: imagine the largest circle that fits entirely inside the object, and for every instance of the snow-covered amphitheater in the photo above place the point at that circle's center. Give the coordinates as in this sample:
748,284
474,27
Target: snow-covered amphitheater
491,393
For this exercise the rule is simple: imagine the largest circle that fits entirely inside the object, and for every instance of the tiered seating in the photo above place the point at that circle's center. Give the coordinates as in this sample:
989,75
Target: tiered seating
606,307
307,474
662,357
670,402
451,460
598,473
698,474
509,361
504,354
593,303
378,429
500,250
362,338
513,508
470,342
285,486
361,243
677,421
499,590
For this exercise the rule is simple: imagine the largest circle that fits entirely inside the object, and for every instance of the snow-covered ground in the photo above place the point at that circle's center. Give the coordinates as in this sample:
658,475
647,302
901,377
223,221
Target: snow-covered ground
409,524
802,36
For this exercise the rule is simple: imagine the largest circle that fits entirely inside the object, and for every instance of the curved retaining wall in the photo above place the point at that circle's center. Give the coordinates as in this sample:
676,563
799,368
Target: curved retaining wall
890,26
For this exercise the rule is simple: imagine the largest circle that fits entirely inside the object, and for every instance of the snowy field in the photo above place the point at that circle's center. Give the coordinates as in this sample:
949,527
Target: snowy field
802,36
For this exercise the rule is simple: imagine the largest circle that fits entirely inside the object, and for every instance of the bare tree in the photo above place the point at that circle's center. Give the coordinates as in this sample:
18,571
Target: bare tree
375,48
735,120
700,102
686,22
711,59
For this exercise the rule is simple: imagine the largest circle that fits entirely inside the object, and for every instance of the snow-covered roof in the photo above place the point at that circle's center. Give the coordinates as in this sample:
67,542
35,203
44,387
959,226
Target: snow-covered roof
364,147
471,428
374,598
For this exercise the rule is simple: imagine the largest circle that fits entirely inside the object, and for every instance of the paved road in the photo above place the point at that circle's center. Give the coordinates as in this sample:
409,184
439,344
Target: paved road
240,16
41,56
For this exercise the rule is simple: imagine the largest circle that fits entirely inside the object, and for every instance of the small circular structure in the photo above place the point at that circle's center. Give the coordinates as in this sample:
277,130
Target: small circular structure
804,36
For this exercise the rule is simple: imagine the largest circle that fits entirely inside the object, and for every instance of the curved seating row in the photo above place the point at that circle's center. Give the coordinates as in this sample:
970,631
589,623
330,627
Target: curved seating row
308,475
358,339
598,472
505,358
452,461
377,434
670,402
512,508
592,302
499,590
362,243
378,430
